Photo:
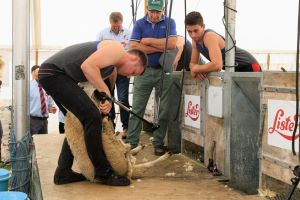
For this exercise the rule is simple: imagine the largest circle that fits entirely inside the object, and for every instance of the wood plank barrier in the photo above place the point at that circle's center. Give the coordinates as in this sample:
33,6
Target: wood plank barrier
277,122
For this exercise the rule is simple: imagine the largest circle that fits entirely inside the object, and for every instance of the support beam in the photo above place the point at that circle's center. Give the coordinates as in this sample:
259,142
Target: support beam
229,61
20,63
230,7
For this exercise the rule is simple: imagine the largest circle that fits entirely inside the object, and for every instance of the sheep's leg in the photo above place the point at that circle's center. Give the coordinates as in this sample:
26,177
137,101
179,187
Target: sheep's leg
131,161
153,162
140,169
137,149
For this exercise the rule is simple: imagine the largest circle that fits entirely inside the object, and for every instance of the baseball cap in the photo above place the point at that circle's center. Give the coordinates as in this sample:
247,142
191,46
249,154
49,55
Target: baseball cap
156,5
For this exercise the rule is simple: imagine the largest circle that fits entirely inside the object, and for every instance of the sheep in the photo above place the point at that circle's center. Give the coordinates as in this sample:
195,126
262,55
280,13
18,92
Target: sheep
117,152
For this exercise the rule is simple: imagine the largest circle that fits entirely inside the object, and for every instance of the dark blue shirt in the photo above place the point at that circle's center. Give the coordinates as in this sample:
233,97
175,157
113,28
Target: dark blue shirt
143,28
242,57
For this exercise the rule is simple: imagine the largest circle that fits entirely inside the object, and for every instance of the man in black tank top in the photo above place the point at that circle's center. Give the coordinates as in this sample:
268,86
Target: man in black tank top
60,74
212,46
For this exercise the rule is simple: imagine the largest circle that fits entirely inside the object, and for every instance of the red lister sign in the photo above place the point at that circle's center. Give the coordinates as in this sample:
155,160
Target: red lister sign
281,123
192,110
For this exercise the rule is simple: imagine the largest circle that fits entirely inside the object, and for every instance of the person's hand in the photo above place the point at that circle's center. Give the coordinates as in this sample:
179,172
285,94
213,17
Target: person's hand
193,74
52,109
175,64
146,41
105,107
201,76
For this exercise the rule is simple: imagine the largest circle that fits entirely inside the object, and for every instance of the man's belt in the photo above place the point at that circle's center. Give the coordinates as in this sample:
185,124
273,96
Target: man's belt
155,66
39,118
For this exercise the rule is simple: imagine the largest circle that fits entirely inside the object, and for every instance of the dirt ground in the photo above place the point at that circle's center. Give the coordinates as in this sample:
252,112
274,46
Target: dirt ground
177,178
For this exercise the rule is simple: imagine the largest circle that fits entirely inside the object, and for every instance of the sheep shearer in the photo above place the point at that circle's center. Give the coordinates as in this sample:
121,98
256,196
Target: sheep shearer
60,74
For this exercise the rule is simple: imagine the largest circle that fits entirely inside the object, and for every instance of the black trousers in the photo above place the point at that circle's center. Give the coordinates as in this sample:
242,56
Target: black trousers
61,127
38,125
67,93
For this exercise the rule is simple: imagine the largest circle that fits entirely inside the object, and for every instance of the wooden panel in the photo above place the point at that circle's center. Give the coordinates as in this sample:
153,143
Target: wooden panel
277,172
193,137
281,154
277,80
191,87
214,132
215,81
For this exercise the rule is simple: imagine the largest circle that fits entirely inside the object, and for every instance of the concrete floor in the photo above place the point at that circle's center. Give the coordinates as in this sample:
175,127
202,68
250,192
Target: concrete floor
178,178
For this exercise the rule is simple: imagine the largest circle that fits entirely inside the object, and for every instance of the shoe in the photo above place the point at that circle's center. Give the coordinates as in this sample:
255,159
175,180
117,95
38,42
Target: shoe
159,150
113,179
64,177
133,146
124,134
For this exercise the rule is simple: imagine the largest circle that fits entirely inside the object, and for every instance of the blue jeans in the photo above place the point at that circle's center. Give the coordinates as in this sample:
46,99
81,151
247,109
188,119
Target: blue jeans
122,84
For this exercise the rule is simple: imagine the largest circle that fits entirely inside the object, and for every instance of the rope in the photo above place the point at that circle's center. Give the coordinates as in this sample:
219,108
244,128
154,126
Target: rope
20,160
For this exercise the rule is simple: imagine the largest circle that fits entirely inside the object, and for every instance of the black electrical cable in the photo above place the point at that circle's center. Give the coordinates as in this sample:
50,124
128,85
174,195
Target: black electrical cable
297,88
164,58
137,5
233,41
166,7
134,9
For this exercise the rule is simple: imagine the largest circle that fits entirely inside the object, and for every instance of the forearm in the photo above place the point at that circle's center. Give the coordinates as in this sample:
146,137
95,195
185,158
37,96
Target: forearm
112,79
204,68
178,55
146,48
160,43
93,76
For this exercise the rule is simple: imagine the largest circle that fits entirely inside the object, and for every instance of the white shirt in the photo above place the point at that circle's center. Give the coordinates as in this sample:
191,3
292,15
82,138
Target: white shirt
35,101
123,36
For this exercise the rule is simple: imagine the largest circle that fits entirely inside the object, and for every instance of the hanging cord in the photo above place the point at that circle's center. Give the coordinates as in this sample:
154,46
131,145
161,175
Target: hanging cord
166,7
227,31
183,69
297,89
132,12
134,9
137,5
162,67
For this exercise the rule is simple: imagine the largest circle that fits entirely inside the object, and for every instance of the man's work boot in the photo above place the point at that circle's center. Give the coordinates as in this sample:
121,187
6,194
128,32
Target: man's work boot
69,176
159,150
63,173
113,179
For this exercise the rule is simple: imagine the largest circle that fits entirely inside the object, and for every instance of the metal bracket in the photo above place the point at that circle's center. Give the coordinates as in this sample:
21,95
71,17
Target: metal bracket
279,90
